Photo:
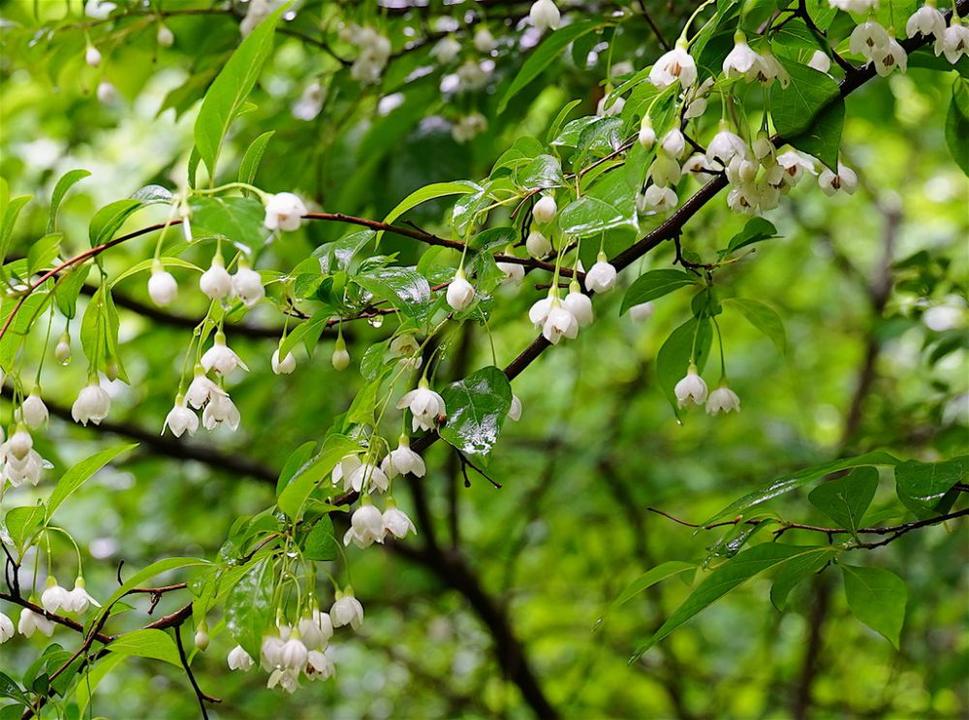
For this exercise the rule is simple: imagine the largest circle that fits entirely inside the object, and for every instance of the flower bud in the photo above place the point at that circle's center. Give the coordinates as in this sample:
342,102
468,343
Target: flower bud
340,358
545,209
92,56
165,37
161,285
202,636
537,244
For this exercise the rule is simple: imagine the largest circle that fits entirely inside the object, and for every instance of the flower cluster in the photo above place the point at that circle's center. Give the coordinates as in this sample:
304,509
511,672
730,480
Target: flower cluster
54,599
19,462
373,52
692,390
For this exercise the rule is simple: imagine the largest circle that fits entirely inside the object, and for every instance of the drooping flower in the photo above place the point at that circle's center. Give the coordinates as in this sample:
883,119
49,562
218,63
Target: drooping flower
396,522
691,389
954,42
319,666
656,198
673,143
794,165
346,610
723,400
855,6
579,304
92,405
284,211
513,272
6,628
468,127
545,209
846,180
674,65
425,405
220,357
366,527
559,323
216,282
544,15
460,293
99,9
62,351
181,419
741,61
698,165
647,135
601,276
92,56
284,366
537,244
34,411
315,629
725,146
285,678
926,21
292,654
79,599
889,58
867,38
609,105
368,476
820,61
515,408
664,170
403,461
162,287
201,389
446,50
220,409
55,597
484,41
31,622
164,37
106,93
247,284
239,659
202,636
407,348
769,69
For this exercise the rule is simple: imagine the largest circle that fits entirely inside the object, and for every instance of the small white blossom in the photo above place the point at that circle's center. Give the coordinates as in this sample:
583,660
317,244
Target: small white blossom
201,389
247,284
579,305
674,65
741,61
484,41
92,56
601,277
284,366
544,15
723,400
292,654
162,287
769,69
285,678
673,143
725,146
220,409
62,351
446,50
54,598
820,61
609,106
698,165
79,599
202,636
164,37
216,282
468,127
855,6
98,9
346,610
926,21
460,293
315,629
425,405
545,209
340,359
34,411
284,211
403,461
538,312
366,527
647,135
310,102
889,58
867,38
396,522
31,622
537,244
954,42
656,198
559,323
181,419
794,165
846,180
370,477
665,170
92,405
691,388
513,272
319,666
515,408
239,659
6,628
106,93
220,357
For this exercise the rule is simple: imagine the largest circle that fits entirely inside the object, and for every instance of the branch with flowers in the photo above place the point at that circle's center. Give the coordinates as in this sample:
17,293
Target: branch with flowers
604,191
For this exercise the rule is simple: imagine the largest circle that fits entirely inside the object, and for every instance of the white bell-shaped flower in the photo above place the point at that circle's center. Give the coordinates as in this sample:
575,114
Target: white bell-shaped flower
369,477
723,400
33,411
284,678
559,323
292,654
545,209
484,41
284,211
664,170
769,69
271,649
846,180
92,56
673,143
316,629
513,273
201,389
319,666
460,293
164,37
31,622
92,405
794,165
867,38
446,50
20,444
346,610
239,659
926,21
544,15
55,598
691,389
673,66
890,58
106,93
181,419
537,244
610,105
79,599
216,282
284,366
855,6
647,135
403,461
247,284
220,357
725,146
699,166
601,276
741,61
425,405
366,527
396,522
6,628
579,304
656,198
162,287
538,313
954,43
220,410
62,351
344,469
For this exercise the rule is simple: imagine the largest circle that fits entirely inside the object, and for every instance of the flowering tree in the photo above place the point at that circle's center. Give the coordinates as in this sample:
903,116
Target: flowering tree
286,252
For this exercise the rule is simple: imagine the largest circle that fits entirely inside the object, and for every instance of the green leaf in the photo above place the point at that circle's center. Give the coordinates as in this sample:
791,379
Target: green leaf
147,643
476,409
846,499
80,473
228,92
544,171
42,253
92,678
147,264
786,483
249,607
428,192
957,124
294,462
64,184
722,580
238,219
21,522
673,357
756,230
877,598
10,213
651,577
923,486
794,108
142,576
544,55
763,317
109,219
10,689
69,287
253,157
295,492
655,284
797,569
586,216
823,140
403,287
320,542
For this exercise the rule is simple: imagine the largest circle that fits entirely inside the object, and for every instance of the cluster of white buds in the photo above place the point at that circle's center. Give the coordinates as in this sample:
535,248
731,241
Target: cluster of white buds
217,284
373,53
469,127
203,392
664,172
19,461
368,525
292,652
56,599
692,390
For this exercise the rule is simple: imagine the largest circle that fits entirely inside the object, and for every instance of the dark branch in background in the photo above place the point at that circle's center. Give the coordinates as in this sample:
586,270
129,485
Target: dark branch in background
183,656
653,26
